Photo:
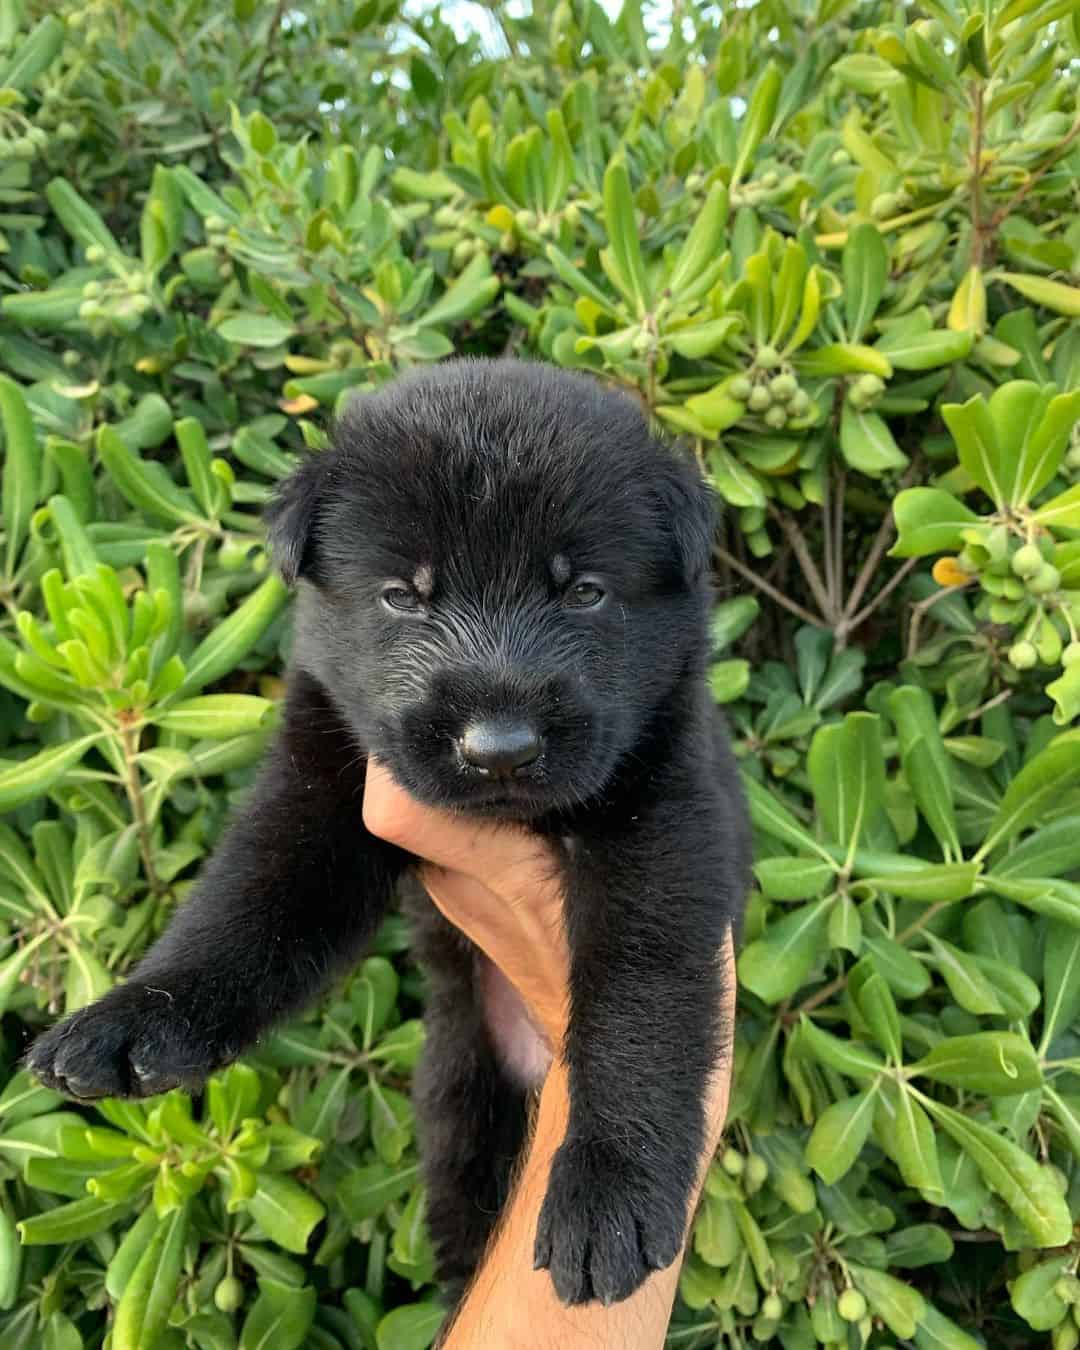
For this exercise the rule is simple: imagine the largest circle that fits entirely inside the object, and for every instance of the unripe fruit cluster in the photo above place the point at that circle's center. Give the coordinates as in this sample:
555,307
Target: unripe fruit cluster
771,390
1022,588
27,144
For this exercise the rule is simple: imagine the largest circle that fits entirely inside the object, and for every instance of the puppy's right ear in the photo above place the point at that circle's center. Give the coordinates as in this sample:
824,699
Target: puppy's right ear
291,517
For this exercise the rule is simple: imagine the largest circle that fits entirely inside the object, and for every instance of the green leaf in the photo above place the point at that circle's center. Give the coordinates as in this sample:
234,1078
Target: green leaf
866,269
473,290
850,1058
768,815
366,1191
924,351
793,878
72,1222
906,1135
923,1244
235,636
1025,1187
929,520
280,1318
216,716
145,483
938,1332
80,219
33,777
1062,511
285,1212
868,444
998,1063
256,330
1039,783
925,761
1052,295
843,358
839,1135
34,53
149,1293
898,1305
846,766
776,965
1061,981
990,464
758,120
413,1327
20,484
702,244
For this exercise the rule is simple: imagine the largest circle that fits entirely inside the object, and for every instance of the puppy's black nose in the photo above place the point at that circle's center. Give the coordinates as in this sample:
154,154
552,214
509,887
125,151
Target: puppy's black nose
499,747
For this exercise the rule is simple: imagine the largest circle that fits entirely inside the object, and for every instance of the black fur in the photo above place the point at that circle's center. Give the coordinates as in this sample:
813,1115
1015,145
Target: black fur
493,488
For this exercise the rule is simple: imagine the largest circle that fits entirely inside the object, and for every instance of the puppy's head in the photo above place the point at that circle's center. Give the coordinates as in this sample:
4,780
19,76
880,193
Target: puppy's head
506,580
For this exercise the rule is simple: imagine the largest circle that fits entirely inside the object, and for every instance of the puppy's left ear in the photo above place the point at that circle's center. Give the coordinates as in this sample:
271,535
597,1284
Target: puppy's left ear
689,509
291,517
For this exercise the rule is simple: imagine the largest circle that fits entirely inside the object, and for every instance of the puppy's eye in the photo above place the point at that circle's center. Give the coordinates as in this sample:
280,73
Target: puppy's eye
400,598
585,594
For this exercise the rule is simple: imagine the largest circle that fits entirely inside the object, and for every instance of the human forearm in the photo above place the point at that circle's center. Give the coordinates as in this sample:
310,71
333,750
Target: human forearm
514,1306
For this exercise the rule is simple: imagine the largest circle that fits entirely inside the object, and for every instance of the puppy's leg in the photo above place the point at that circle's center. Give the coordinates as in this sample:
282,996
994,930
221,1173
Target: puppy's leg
472,1117
291,895
647,908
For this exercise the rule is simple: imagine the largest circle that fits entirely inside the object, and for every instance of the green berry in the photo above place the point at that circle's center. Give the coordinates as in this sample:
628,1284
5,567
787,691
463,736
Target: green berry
733,1162
839,158
776,418
870,385
885,204
229,1294
759,399
770,179
67,131
89,309
71,358
772,1307
95,254
1027,560
1070,655
757,1172
768,357
800,404
92,290
784,387
1072,459
1047,579
39,136
1022,655
740,388
214,222
851,1305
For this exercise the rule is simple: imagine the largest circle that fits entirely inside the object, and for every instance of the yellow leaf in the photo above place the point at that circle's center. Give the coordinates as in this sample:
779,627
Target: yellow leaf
301,404
967,313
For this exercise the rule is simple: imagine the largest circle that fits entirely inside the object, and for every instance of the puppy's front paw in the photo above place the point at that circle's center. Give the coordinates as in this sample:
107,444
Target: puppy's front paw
134,1042
607,1222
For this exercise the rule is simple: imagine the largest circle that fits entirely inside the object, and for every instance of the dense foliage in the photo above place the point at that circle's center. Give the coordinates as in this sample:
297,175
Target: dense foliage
834,245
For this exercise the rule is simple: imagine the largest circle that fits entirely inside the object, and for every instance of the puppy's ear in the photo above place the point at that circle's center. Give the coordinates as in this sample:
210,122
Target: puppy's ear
291,515
689,509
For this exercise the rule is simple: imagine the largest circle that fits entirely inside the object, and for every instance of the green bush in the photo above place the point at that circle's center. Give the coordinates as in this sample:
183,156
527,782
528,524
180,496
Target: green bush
836,247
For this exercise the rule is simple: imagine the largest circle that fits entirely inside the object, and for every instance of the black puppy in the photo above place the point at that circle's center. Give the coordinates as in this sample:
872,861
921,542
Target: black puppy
505,599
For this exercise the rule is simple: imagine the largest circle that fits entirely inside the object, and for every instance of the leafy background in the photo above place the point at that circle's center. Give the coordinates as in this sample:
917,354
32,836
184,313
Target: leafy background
836,247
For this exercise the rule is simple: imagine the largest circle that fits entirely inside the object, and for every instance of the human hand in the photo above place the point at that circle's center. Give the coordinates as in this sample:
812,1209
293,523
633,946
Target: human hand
496,882
499,884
